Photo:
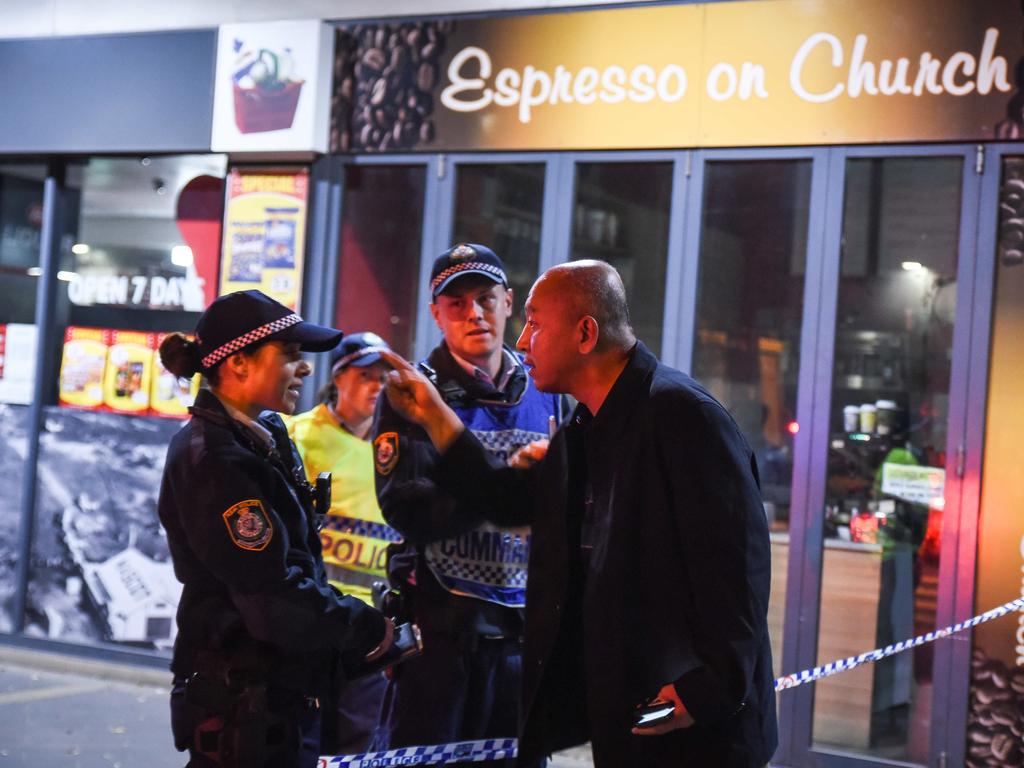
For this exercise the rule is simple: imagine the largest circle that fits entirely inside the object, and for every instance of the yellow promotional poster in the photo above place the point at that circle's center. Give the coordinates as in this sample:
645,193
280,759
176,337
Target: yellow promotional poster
170,396
83,363
758,73
129,368
264,233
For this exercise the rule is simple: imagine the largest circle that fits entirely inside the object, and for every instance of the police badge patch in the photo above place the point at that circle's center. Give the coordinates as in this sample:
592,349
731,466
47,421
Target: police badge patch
462,252
385,452
248,525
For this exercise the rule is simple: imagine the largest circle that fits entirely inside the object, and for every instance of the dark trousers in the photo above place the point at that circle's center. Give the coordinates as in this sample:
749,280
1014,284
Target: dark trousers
355,713
458,689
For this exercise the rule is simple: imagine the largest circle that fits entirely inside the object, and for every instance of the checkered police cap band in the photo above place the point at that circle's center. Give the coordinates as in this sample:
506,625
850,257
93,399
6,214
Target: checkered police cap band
343,361
250,337
475,266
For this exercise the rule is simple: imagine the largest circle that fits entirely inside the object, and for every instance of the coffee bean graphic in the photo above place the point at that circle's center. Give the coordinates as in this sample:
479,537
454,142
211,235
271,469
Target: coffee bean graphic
385,81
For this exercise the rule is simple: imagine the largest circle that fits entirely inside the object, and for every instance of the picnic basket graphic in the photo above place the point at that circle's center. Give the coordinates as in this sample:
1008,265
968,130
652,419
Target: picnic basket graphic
265,94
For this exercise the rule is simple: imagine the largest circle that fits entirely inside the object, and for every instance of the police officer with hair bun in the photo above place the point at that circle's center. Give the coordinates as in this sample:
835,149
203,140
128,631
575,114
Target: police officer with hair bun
261,632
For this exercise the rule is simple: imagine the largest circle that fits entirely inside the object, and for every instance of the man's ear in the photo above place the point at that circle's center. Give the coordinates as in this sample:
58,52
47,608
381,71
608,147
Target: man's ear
588,331
508,302
435,312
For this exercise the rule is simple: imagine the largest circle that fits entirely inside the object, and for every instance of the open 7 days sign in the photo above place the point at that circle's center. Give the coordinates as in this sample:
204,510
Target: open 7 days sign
720,74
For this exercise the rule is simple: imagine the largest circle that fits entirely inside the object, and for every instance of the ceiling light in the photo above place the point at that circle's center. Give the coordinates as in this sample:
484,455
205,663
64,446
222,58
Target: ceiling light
912,266
80,249
34,271
181,256
66,276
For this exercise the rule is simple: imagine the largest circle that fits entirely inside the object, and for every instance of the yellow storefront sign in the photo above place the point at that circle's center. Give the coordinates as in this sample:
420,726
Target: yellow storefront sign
790,72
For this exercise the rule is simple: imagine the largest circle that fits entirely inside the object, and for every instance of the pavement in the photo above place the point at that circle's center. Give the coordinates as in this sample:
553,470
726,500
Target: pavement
61,711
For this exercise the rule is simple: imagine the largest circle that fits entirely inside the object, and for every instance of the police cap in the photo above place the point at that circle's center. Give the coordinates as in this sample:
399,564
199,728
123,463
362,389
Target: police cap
466,259
357,349
239,320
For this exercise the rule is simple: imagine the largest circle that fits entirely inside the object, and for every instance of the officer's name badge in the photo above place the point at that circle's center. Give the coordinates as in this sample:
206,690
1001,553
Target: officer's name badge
248,525
385,452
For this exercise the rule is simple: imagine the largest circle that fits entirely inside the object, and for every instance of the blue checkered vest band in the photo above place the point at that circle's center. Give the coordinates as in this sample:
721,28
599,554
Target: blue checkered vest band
487,562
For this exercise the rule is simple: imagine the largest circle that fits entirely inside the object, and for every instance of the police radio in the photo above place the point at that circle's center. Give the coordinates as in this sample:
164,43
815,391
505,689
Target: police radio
322,493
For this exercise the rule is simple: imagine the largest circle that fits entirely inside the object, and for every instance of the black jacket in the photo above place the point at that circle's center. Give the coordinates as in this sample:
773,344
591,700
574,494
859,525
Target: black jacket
243,537
678,593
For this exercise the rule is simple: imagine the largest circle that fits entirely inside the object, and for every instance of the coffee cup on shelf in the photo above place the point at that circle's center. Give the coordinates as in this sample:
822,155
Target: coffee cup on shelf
885,416
868,415
851,418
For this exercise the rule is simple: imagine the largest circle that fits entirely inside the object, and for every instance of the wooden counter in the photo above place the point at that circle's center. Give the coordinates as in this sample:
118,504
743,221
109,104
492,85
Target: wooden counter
867,603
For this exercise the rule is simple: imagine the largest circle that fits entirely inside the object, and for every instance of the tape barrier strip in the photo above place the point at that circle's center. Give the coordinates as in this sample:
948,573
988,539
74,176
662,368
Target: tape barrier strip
835,667
440,754
497,749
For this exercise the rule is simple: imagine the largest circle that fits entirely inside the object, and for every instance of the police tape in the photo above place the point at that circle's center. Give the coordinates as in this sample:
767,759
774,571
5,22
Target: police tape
438,754
843,665
497,749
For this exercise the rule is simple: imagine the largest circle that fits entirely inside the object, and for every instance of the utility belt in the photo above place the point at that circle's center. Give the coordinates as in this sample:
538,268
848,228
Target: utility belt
238,710
435,610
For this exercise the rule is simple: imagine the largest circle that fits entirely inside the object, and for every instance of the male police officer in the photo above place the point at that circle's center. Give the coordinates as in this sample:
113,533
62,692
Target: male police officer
463,580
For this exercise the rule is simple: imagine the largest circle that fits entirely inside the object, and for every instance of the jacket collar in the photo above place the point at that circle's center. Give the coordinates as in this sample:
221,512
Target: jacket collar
456,384
620,404
210,408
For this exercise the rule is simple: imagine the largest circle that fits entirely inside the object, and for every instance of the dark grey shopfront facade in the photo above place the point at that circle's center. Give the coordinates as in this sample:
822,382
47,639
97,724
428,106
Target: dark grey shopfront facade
796,282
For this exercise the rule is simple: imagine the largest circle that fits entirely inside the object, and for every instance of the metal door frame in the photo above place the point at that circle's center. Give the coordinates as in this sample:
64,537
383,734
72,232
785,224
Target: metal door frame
689,273
806,564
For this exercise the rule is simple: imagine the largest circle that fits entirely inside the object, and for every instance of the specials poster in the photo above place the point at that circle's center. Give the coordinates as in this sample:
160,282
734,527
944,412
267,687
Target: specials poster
265,233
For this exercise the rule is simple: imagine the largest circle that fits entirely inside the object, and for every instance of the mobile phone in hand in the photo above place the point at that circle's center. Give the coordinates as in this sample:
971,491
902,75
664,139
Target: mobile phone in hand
654,711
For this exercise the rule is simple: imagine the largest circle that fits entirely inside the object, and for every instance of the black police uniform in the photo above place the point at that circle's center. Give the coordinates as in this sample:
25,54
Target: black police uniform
261,632
466,683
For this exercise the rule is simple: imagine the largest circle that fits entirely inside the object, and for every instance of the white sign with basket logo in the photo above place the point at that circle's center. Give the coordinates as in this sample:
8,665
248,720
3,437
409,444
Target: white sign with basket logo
272,89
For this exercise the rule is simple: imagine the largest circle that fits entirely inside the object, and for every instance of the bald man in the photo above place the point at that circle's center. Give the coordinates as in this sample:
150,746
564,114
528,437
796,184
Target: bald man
649,569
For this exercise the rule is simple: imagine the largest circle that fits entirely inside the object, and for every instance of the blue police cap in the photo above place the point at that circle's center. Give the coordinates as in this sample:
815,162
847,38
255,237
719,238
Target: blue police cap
466,259
238,320
357,349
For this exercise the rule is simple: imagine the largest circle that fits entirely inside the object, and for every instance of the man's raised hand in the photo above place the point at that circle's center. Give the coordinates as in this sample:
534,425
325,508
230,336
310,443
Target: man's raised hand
416,399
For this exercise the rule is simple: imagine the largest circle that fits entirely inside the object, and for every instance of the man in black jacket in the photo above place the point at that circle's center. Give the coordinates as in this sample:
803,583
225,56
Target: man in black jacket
649,573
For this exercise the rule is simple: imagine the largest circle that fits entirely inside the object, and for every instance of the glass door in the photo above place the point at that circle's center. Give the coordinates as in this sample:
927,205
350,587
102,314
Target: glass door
501,205
621,214
750,310
381,240
21,222
883,482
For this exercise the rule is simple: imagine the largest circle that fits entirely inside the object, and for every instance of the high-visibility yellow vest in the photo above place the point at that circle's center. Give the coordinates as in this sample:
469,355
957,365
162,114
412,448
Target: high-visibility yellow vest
354,536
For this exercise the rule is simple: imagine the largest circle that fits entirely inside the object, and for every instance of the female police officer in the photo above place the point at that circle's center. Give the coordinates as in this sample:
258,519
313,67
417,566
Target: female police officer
260,630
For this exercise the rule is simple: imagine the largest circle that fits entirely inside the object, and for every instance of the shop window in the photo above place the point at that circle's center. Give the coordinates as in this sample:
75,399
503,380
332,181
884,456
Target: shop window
884,493
500,206
381,237
621,215
140,260
21,218
749,312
